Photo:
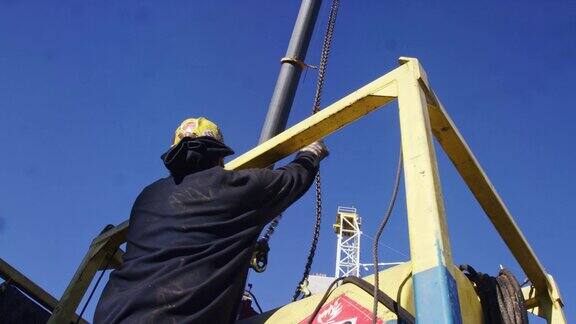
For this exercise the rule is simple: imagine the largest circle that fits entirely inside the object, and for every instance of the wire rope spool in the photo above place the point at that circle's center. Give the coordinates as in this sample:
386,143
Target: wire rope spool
501,296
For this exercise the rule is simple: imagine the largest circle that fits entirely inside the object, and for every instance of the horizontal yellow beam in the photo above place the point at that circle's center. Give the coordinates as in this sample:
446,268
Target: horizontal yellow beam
321,124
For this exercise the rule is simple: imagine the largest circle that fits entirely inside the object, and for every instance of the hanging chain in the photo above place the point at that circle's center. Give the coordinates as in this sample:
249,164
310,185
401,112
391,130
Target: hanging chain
271,228
317,97
315,108
259,259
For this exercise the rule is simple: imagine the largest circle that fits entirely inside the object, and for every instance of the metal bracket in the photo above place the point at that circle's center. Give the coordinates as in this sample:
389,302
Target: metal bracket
297,62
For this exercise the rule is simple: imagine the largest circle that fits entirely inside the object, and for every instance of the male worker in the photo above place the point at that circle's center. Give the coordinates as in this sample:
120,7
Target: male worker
191,234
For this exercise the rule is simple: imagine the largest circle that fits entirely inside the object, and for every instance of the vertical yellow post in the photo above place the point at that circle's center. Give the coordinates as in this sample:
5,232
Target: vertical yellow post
435,291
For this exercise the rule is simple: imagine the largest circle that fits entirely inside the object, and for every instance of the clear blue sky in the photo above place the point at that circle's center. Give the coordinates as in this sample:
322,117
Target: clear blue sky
90,92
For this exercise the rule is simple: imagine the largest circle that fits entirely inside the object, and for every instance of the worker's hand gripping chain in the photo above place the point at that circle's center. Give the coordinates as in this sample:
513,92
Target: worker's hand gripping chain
318,148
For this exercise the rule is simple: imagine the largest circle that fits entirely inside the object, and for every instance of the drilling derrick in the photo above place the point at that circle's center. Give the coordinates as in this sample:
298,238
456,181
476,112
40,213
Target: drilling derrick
347,228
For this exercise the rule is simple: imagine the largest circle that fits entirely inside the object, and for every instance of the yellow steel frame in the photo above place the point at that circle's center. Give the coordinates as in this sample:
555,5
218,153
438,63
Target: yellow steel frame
422,117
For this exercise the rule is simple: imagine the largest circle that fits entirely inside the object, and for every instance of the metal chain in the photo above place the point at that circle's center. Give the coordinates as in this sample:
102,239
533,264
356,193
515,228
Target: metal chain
315,108
325,54
317,97
271,228
319,87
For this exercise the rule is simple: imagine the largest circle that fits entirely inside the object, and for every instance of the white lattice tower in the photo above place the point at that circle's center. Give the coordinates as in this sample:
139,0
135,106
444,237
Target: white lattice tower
347,228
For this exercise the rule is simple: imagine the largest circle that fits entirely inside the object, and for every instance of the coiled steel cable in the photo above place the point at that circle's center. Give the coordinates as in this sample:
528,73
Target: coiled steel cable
501,296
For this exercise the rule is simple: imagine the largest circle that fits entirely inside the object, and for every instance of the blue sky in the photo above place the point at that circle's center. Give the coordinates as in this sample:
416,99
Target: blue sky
90,92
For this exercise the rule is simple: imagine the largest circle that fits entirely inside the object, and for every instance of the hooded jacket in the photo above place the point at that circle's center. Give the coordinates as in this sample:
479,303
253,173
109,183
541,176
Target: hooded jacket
190,240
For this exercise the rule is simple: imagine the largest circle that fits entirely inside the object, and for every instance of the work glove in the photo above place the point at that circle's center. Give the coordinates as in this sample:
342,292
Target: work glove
317,148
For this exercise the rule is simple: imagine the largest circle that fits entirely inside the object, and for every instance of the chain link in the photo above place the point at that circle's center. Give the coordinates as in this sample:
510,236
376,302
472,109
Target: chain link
318,95
315,236
271,228
315,108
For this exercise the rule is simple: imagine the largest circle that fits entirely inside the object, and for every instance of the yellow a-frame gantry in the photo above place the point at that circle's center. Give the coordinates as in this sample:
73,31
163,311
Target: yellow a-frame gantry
422,117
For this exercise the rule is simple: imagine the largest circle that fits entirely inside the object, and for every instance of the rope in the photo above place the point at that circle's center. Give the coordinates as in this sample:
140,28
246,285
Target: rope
328,36
379,233
501,296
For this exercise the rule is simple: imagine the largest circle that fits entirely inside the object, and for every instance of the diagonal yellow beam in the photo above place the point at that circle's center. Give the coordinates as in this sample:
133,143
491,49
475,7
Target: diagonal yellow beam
472,173
462,157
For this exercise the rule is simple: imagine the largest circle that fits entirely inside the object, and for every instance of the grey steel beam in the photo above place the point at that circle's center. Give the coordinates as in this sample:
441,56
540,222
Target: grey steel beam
290,70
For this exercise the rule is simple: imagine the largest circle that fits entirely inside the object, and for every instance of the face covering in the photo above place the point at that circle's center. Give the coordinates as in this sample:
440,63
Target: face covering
194,154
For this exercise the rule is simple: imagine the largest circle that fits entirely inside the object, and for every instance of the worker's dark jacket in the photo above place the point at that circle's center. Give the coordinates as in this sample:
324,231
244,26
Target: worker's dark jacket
190,241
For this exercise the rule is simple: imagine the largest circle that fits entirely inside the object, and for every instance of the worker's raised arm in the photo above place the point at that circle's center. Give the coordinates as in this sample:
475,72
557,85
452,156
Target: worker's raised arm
283,186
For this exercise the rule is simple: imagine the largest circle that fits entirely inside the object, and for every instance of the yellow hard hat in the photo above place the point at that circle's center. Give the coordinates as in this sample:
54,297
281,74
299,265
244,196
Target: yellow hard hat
197,127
